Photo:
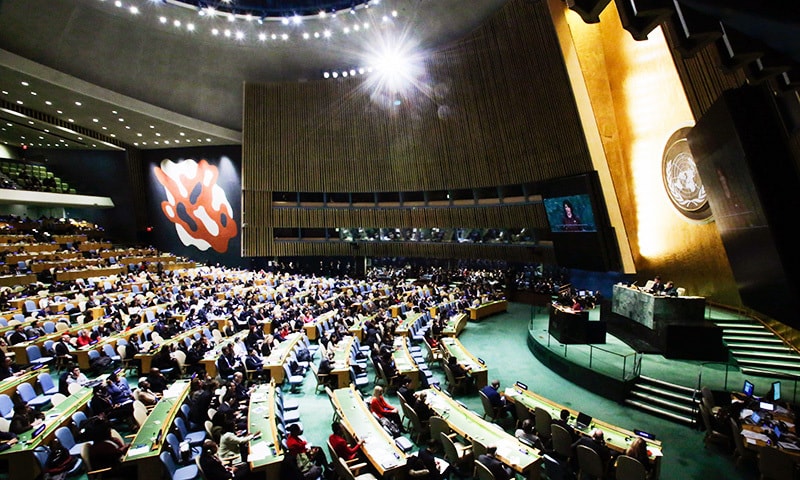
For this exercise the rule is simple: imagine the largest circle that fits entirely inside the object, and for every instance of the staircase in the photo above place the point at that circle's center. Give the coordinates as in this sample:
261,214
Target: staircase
664,399
756,348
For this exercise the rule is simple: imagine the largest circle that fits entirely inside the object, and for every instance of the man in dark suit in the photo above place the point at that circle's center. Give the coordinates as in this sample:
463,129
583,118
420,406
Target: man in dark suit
489,459
497,400
18,336
597,443
564,422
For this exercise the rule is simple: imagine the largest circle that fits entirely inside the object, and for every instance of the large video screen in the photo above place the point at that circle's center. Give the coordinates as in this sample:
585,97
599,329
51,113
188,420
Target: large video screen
572,213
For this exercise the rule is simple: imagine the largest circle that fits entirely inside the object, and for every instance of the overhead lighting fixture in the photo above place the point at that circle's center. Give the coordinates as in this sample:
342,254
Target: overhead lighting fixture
78,104
134,10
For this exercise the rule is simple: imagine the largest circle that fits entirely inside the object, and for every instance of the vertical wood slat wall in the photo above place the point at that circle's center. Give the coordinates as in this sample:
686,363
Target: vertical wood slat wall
496,109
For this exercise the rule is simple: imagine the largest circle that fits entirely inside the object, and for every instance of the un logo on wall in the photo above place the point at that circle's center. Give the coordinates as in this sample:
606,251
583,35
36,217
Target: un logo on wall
682,180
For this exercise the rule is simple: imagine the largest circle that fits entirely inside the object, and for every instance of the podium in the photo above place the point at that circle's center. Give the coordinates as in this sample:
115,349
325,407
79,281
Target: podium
571,327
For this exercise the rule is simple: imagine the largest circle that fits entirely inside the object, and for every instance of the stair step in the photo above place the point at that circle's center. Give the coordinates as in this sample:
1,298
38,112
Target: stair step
765,348
750,333
768,364
666,385
771,340
744,354
663,402
660,411
650,390
741,325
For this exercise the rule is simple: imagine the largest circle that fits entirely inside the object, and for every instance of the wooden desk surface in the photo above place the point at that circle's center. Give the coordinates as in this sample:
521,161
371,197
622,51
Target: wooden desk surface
477,369
265,453
454,325
617,438
470,425
159,419
379,446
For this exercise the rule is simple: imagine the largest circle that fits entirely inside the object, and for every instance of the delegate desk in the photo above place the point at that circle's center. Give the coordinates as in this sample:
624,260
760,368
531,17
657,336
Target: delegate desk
82,354
312,328
617,438
574,327
404,362
404,326
342,354
523,459
454,325
147,357
9,385
89,273
280,355
379,446
486,309
656,311
265,453
146,445
22,464
452,347
14,280
210,358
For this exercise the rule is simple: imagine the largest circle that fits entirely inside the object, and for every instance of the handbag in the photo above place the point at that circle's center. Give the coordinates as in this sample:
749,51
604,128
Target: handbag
304,462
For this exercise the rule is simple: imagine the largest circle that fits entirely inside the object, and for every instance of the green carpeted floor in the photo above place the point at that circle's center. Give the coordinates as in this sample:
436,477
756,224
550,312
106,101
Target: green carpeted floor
500,340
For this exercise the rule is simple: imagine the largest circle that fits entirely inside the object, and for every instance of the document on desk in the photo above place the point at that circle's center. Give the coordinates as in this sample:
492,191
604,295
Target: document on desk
750,435
789,446
138,450
258,451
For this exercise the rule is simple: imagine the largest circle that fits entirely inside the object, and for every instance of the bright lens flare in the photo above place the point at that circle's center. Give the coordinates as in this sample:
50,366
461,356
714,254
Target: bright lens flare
397,68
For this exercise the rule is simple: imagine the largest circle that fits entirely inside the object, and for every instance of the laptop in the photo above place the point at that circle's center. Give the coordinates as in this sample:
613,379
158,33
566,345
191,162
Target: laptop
583,421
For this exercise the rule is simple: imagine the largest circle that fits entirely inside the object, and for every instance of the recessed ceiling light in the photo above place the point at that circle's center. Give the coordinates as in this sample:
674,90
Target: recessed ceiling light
59,112
134,10
19,102
34,93
95,120
127,127
114,112
158,134
70,120
177,23
46,131
78,103
162,19
5,92
190,27
166,142
25,84
262,36
48,102
121,119
105,128
136,144
151,126
138,134
113,135
80,138
182,134
208,139
214,32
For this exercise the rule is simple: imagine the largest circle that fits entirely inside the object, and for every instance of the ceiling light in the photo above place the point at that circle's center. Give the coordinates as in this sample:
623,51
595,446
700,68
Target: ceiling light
5,92
262,36
71,120
134,10
335,74
177,23
297,19
105,128
346,30
190,27
138,134
30,122
352,71
19,102
158,134
239,35
285,21
326,75
33,93
59,112
95,120
366,26
78,103
162,19
322,14
48,102
327,34
306,36
121,119
166,142
394,13
316,34
208,139
118,3
227,33
344,74
182,134
356,27
231,17
284,37
151,126
214,32
25,84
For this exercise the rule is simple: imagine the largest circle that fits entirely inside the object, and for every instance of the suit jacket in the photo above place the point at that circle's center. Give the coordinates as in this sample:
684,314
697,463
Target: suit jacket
500,471
601,449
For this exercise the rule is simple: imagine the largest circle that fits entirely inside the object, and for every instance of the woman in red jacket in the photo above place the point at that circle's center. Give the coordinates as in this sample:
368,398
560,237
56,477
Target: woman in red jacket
380,407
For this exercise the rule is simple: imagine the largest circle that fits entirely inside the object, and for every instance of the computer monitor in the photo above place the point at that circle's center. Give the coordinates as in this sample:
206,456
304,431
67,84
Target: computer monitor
776,391
748,388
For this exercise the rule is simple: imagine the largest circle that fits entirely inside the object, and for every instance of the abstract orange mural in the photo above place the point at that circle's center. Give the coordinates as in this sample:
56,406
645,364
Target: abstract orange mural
197,206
